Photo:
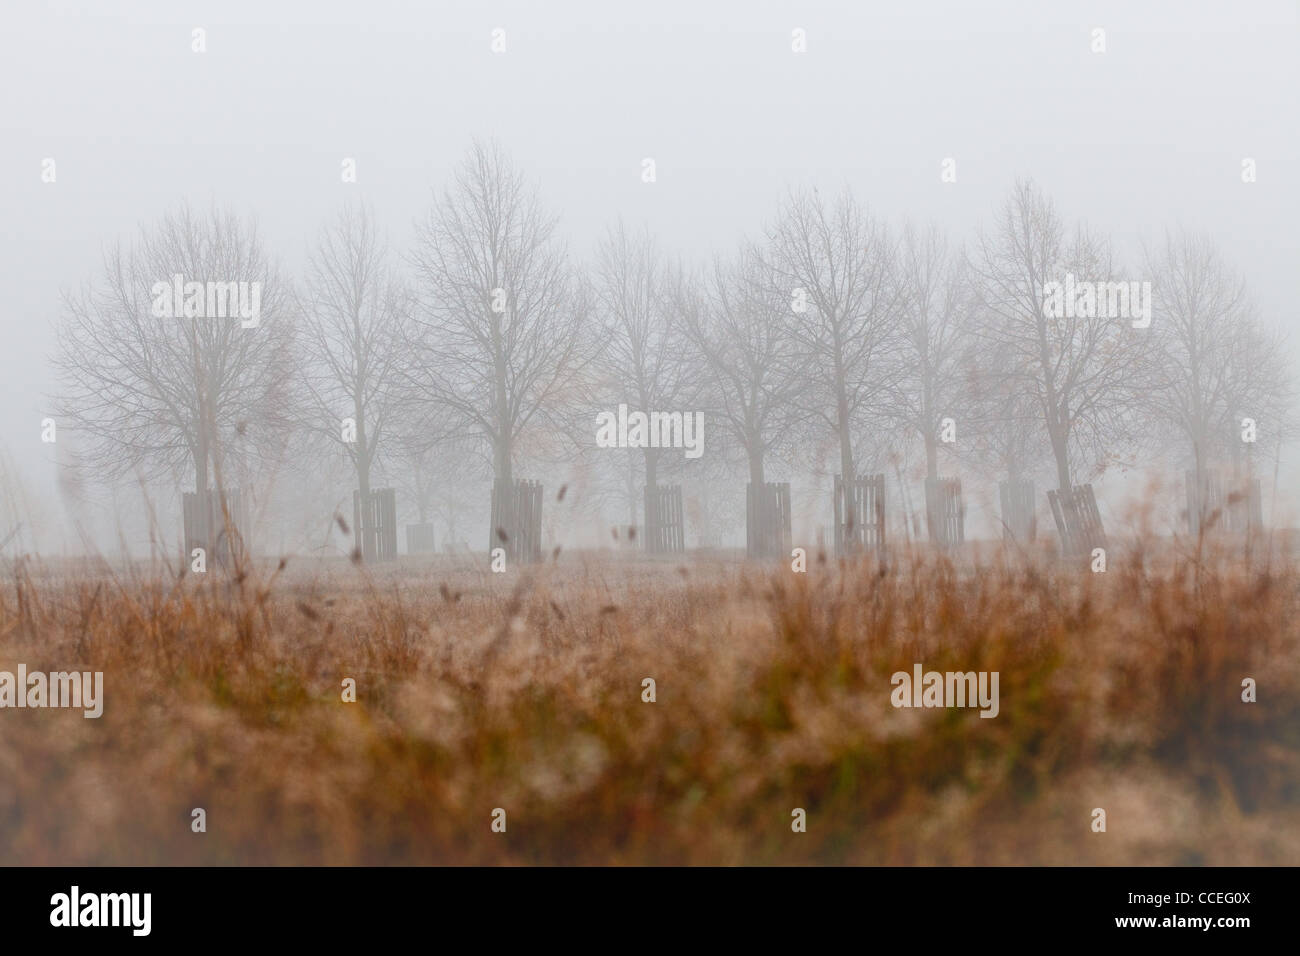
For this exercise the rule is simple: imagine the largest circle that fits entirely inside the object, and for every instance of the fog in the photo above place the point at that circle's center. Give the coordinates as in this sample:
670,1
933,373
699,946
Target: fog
1146,137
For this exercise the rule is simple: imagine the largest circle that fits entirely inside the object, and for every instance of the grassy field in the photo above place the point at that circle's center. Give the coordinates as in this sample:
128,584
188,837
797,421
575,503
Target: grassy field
523,691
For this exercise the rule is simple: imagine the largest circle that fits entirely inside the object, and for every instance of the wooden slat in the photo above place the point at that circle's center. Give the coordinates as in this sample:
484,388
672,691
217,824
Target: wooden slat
206,526
1078,520
517,509
664,524
767,519
945,514
1019,522
864,528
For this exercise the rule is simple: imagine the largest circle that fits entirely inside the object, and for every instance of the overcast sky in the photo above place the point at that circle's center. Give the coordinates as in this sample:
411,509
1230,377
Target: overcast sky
1149,134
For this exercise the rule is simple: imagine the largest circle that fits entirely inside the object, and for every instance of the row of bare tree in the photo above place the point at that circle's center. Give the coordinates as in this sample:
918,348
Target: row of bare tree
832,332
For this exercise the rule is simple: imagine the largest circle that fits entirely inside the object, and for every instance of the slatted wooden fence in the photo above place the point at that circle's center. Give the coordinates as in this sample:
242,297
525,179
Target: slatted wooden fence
767,520
945,511
420,538
664,527
1077,520
374,524
859,514
1019,516
217,523
1208,508
517,517
1246,508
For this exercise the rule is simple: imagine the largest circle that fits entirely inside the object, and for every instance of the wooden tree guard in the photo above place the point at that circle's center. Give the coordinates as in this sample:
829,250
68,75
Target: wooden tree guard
767,520
1077,520
945,511
376,535
420,538
664,529
517,511
221,531
1019,517
864,529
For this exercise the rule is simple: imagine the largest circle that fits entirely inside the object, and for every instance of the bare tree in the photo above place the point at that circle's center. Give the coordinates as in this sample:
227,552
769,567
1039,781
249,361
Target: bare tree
1217,362
439,479
835,263
934,312
741,326
1004,419
647,354
1085,369
1261,387
501,343
353,308
158,393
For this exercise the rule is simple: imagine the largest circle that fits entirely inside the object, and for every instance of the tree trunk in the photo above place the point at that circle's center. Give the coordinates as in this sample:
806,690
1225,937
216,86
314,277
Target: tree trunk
1235,444
1062,470
846,460
632,504
201,463
932,515
501,467
651,483
1061,452
206,450
363,533
501,464
755,464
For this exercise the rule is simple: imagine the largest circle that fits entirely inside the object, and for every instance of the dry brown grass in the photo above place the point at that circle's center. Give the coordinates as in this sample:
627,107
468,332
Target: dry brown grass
523,691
